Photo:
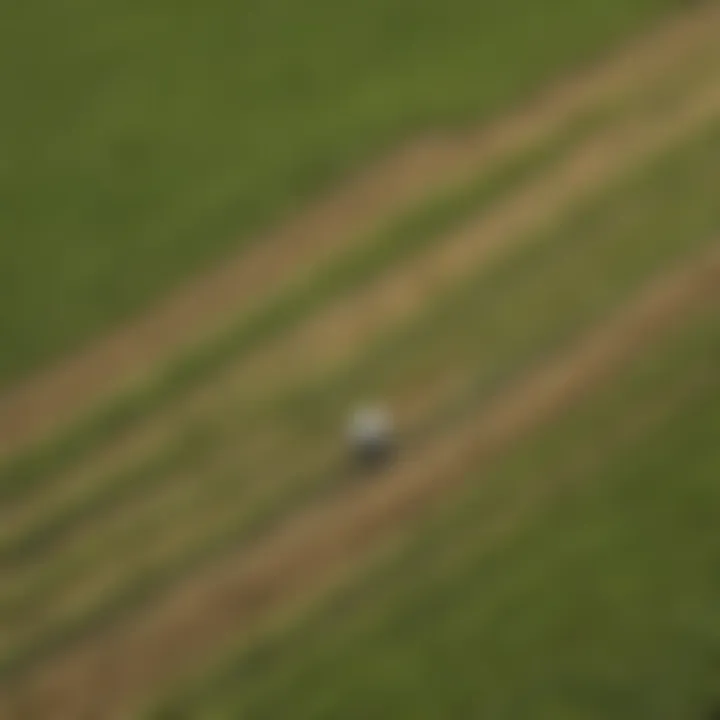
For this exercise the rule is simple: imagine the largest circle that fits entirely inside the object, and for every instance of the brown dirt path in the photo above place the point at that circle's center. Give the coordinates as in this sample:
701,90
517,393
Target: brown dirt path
592,164
335,334
120,666
696,112
57,395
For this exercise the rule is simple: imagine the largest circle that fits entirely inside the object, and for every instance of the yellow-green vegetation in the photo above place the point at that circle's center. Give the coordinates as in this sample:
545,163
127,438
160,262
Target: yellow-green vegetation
572,575
144,140
575,579
490,331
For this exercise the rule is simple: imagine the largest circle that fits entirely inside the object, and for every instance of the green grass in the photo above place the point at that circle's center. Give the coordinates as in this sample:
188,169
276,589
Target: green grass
629,238
144,140
382,252
31,470
551,589
524,309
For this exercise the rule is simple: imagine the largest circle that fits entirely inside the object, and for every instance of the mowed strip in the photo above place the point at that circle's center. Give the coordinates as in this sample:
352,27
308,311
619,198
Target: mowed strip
51,399
103,552
441,585
558,461
113,668
182,495
90,541
338,333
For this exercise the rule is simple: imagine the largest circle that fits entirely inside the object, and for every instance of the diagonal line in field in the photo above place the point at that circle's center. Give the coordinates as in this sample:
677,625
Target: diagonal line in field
338,332
117,667
55,396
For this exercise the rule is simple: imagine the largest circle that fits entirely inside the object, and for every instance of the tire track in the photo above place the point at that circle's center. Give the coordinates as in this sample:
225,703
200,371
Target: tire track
340,331
697,112
61,393
592,164
115,669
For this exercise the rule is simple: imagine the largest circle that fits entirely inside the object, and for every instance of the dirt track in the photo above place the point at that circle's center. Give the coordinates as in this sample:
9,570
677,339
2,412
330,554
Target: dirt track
123,664
338,332
55,396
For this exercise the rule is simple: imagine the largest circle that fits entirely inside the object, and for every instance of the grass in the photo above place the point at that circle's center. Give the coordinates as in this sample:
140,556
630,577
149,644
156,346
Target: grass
404,237
592,598
557,551
595,260
147,140
664,235
33,469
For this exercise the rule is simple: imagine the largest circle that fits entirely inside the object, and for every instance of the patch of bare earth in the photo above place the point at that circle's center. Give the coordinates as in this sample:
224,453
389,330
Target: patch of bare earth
110,672
195,312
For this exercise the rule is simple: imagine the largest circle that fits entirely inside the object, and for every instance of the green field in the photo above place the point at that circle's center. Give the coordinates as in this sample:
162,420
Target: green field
592,596
410,642
570,575
143,141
